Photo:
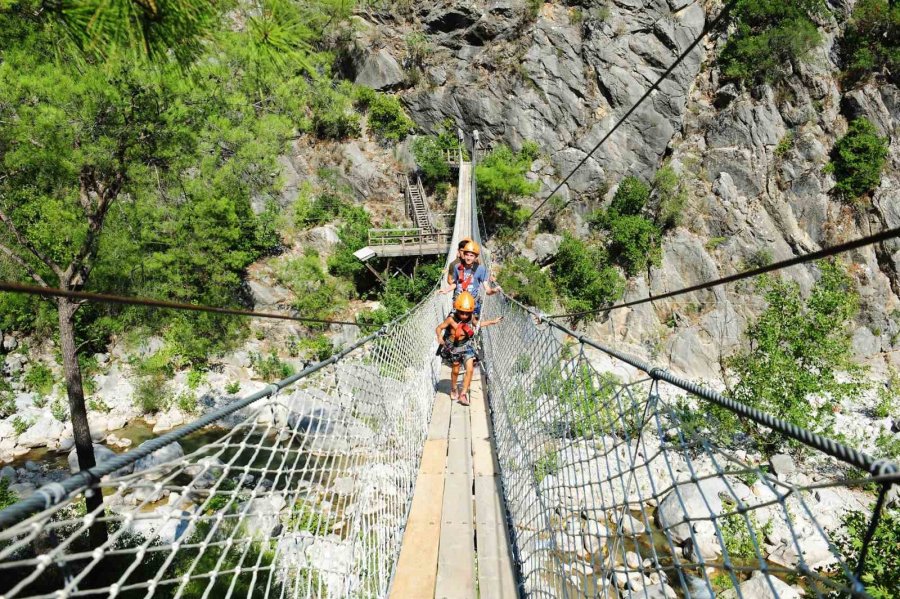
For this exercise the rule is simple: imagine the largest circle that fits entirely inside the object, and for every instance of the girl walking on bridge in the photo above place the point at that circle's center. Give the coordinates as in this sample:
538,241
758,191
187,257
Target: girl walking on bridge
456,341
469,275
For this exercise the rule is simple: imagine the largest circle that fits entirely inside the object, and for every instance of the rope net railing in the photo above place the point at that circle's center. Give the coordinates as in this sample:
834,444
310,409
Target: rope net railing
303,494
616,485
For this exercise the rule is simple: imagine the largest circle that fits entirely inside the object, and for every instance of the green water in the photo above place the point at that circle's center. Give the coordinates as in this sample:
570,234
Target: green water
137,431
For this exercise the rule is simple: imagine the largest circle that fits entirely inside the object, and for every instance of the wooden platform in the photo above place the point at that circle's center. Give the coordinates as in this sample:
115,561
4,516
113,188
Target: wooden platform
455,544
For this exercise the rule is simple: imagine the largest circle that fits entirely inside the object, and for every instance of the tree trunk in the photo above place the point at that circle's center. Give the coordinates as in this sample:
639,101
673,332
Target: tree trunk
81,430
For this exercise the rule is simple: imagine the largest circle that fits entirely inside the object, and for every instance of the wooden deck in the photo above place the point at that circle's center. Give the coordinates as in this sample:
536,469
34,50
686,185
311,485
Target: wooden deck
455,545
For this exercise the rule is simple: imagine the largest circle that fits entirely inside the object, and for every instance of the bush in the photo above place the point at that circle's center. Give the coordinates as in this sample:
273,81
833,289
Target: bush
354,235
333,114
194,378
59,410
152,393
630,197
387,119
317,295
634,242
857,159
317,348
429,153
233,387
40,379
736,533
882,572
7,497
799,349
270,368
671,196
501,181
871,41
525,281
7,399
582,275
769,35
20,425
187,402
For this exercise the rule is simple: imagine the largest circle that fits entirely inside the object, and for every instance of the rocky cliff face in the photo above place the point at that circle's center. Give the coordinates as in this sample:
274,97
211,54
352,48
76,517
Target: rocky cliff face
754,159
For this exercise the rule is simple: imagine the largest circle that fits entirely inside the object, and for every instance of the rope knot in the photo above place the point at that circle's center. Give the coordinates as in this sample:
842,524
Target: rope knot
52,494
656,373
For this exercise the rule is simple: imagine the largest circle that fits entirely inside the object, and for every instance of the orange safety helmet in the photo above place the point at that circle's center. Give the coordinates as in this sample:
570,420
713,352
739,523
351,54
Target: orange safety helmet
464,302
472,246
463,242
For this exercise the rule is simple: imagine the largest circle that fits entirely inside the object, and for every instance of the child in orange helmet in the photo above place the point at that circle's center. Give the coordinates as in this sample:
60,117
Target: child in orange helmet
469,276
456,342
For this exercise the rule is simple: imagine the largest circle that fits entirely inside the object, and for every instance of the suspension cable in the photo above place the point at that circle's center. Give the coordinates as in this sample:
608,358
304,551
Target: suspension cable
810,257
709,27
106,298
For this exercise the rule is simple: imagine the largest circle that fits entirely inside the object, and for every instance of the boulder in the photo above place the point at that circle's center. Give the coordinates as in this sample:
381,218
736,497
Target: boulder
324,238
10,343
101,454
380,71
9,473
782,465
45,431
158,459
545,245
14,364
691,501
760,586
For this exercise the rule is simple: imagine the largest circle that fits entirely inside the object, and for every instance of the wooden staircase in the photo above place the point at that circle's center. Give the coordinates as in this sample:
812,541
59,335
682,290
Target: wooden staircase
417,206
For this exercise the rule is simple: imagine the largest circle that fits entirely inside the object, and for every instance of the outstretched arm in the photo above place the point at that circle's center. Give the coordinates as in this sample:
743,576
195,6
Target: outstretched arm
447,289
490,322
439,331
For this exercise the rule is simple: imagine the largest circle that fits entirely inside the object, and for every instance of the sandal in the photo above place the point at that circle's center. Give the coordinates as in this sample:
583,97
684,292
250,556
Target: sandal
454,394
463,399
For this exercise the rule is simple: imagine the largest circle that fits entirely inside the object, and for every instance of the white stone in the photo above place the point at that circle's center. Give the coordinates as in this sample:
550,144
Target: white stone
154,465
760,586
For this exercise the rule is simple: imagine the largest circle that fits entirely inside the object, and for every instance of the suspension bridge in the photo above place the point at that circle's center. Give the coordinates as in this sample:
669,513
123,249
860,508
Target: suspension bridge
358,477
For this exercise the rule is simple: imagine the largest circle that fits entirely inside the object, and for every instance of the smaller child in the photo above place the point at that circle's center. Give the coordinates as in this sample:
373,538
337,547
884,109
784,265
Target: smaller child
456,337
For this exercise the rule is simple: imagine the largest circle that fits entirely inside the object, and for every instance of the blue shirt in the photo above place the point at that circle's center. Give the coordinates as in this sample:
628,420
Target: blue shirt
474,279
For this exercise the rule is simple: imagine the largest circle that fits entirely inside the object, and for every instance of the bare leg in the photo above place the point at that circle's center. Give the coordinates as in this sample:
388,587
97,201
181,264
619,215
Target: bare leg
454,374
467,380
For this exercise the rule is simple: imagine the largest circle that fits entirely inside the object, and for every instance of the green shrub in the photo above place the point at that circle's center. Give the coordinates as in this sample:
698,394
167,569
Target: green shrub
7,497
882,572
760,258
715,242
582,275
194,378
317,348
736,533
888,396
768,35
187,402
270,368
546,465
799,349
630,197
98,405
59,410
152,393
785,144
40,379
525,281
387,119
333,114
317,295
429,153
20,425
501,181
354,235
312,211
634,242
871,41
672,198
7,399
857,159
587,402
233,387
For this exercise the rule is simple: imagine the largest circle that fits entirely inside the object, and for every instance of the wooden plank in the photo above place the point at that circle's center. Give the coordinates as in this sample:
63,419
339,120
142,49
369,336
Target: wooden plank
496,576
416,573
456,557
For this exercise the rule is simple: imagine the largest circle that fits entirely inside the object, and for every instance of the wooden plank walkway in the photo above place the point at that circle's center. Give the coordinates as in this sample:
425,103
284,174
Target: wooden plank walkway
455,544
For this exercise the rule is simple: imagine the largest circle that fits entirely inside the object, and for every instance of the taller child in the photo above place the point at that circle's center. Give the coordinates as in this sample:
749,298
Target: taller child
469,276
